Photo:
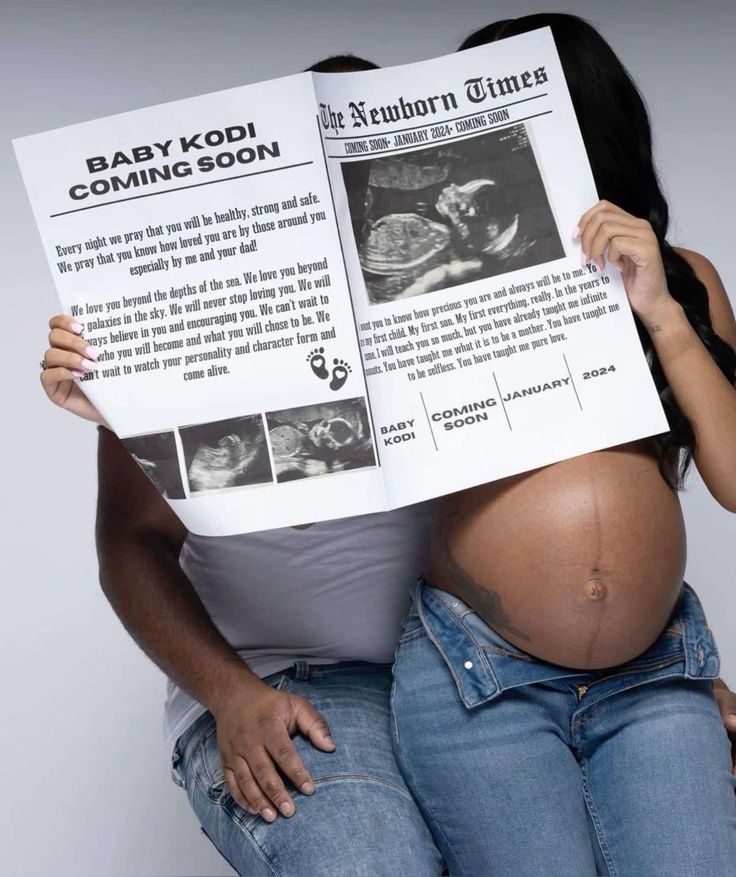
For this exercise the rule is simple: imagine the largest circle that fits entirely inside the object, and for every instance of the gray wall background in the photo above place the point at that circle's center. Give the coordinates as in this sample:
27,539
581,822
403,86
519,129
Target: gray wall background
84,786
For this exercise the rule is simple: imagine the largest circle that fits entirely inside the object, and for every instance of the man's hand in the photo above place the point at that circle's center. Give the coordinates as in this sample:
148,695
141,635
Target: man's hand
254,730
726,700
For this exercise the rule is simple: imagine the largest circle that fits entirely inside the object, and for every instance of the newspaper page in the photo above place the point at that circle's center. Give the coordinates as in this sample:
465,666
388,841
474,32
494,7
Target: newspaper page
489,349
329,295
196,242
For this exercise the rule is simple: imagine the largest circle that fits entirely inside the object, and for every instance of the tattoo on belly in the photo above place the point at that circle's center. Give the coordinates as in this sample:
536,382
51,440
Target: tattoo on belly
485,601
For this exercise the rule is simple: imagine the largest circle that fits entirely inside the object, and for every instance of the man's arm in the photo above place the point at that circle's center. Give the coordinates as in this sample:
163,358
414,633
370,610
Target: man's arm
138,542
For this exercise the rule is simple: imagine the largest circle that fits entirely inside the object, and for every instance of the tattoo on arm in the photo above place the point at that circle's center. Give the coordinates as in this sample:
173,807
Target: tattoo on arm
482,598
654,329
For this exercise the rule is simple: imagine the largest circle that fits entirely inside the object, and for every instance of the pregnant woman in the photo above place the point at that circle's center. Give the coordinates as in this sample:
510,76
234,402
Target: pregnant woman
553,707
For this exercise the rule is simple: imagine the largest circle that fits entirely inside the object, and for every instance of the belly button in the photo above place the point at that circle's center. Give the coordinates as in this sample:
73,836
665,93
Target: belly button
595,589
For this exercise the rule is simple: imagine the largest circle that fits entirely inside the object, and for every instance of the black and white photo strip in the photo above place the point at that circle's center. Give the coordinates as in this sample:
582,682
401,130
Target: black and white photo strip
320,439
306,441
226,453
156,455
433,218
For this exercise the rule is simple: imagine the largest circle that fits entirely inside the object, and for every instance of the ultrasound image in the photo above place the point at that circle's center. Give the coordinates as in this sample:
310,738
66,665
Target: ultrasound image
433,218
156,455
319,439
226,453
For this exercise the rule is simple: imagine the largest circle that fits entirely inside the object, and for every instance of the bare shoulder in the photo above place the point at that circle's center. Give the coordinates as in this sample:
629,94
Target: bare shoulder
721,311
702,266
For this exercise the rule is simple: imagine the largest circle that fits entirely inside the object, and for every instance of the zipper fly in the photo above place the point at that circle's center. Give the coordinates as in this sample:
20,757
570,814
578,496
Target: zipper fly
582,689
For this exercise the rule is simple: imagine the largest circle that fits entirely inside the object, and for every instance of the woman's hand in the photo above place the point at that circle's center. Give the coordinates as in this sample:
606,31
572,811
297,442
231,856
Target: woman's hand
69,357
633,248
254,731
704,394
726,700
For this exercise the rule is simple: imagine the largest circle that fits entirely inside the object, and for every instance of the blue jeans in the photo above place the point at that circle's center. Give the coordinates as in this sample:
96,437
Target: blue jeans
361,820
525,768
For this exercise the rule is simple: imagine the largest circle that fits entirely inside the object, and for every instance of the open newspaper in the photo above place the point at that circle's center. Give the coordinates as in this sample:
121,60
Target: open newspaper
328,295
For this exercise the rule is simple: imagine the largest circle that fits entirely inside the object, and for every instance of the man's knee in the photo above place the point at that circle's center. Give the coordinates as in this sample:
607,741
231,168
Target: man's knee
351,825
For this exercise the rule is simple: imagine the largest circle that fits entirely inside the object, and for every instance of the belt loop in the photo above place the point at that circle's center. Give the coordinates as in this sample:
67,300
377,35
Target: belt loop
301,670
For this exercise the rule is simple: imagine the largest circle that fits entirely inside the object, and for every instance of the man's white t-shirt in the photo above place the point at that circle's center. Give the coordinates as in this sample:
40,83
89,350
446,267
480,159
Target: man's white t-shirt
333,591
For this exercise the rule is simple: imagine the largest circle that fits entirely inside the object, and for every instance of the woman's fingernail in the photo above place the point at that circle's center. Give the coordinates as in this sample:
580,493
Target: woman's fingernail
268,814
77,373
576,232
583,259
308,788
88,366
77,328
91,352
287,808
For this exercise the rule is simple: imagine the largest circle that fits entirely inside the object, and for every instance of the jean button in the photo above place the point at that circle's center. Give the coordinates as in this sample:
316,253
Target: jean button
468,665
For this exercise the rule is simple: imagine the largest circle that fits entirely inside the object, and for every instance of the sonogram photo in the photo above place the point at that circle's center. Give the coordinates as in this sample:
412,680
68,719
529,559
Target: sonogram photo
226,453
319,439
433,218
156,454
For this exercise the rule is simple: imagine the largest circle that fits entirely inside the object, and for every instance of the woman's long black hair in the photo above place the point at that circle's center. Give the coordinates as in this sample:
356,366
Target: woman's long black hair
615,126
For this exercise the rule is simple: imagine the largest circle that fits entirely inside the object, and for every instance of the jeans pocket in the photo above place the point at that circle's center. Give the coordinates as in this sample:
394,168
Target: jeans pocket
212,786
205,766
175,762
185,747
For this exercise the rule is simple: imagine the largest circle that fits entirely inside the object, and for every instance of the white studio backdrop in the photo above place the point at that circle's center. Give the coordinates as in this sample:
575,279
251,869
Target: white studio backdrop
84,777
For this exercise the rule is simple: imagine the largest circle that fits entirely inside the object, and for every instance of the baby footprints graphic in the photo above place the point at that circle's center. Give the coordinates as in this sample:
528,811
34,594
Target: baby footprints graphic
340,373
317,360
318,364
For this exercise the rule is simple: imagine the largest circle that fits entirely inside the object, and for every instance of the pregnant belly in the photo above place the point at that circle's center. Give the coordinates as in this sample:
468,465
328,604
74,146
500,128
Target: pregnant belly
579,563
